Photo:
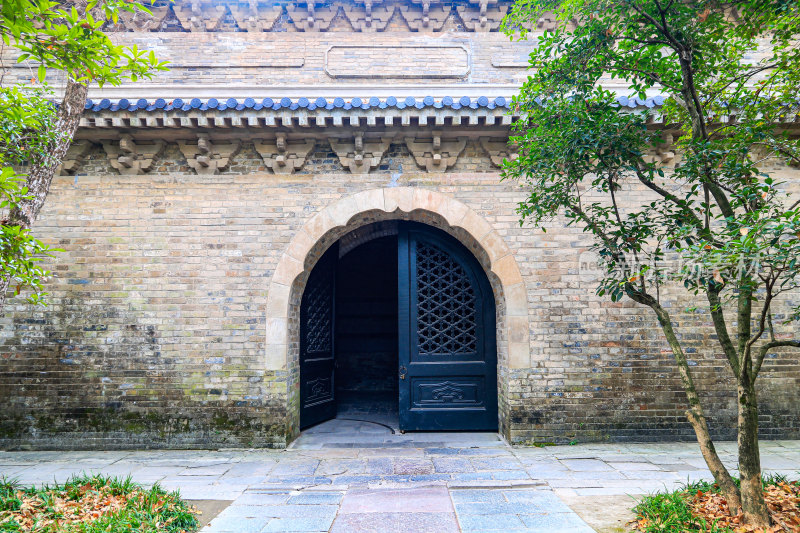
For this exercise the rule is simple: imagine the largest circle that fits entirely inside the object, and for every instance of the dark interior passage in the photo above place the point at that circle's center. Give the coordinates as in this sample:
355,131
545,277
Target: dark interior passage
366,330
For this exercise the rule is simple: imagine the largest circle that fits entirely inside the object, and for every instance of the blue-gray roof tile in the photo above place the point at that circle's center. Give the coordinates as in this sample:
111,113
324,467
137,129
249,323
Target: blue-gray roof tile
355,103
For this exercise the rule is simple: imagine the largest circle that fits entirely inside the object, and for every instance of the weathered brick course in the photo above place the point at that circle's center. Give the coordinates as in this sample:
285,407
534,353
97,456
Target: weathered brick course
156,333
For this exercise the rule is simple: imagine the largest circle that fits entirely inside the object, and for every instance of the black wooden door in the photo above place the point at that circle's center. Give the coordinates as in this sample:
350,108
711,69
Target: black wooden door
447,346
317,342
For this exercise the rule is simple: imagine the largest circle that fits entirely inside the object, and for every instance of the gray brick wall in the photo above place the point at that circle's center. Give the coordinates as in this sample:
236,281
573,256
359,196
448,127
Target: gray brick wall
154,335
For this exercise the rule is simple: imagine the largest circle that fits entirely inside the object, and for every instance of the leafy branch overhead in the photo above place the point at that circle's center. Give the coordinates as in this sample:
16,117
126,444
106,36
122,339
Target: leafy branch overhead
27,128
69,37
36,128
713,220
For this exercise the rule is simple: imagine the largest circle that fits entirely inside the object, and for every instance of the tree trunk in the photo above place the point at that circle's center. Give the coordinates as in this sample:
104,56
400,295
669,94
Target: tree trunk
753,505
4,283
696,416
41,172
721,475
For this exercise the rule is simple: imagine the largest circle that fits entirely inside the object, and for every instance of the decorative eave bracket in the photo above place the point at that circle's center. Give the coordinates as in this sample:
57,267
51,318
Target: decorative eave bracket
435,155
358,155
130,157
284,156
206,157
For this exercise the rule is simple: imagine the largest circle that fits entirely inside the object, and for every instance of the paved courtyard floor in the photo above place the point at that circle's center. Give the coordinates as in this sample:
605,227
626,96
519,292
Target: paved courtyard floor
352,477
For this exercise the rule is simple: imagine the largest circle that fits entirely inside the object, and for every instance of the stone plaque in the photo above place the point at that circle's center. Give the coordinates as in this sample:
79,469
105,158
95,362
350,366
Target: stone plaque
515,56
408,61
223,51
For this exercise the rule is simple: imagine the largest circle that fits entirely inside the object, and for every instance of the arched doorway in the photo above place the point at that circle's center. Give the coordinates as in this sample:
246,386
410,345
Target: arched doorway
399,316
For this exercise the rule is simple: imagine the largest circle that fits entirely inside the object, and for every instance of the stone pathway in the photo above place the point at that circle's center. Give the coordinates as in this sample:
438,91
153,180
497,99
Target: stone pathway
378,481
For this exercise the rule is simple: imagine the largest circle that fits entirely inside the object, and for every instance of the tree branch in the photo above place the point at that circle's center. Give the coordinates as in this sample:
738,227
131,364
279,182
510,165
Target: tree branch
650,184
695,412
40,175
762,320
744,77
663,29
652,75
762,352
721,327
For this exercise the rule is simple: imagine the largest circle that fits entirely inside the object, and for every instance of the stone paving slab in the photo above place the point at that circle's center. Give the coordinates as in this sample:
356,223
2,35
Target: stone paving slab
523,510
409,500
395,523
317,488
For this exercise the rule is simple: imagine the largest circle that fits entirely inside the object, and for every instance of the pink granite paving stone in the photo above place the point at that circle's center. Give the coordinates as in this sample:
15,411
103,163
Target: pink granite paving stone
412,510
411,500
395,523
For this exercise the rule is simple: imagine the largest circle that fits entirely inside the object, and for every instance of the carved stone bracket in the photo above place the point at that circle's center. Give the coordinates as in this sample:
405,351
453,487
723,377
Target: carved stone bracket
255,16
129,157
548,21
312,18
499,150
75,154
284,156
435,154
369,17
317,16
429,18
198,16
662,153
208,157
487,18
141,21
358,155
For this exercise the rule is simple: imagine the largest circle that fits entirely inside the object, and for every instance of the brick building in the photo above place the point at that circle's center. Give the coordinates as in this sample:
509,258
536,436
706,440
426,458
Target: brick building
312,183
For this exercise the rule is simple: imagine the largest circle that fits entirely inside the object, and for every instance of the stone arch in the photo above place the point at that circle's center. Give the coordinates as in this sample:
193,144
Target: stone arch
409,203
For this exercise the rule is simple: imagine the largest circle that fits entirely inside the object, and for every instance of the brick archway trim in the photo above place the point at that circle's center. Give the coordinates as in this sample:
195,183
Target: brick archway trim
389,200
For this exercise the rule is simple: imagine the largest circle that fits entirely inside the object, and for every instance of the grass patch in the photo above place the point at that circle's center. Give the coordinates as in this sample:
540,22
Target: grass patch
93,504
700,507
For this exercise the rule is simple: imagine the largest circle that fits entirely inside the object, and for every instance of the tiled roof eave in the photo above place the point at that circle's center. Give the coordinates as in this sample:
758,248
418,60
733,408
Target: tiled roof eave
213,113
297,118
310,104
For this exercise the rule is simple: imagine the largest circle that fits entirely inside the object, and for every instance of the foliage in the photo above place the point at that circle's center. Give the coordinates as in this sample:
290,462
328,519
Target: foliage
27,124
67,37
717,211
20,252
27,119
699,506
93,504
690,203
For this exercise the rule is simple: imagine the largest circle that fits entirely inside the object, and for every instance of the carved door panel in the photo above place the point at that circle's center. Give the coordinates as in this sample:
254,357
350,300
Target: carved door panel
317,342
447,346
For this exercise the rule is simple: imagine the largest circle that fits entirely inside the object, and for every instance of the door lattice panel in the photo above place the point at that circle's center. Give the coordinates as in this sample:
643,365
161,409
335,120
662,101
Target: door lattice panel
318,320
446,315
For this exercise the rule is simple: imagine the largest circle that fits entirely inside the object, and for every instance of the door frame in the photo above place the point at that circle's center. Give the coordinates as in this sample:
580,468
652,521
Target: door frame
333,219
409,233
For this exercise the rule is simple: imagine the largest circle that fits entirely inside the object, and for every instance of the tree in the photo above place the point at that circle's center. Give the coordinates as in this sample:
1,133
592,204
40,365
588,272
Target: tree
26,130
716,224
67,37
